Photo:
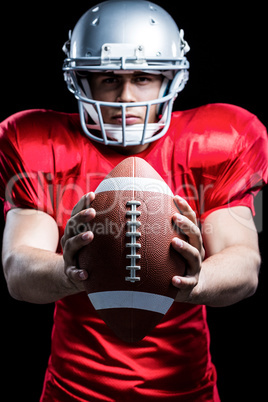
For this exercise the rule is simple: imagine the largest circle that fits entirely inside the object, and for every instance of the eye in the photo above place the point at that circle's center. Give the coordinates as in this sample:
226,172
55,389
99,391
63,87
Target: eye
143,79
110,80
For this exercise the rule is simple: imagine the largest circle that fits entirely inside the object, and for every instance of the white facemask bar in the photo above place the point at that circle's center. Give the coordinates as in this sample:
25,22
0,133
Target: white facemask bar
86,92
123,135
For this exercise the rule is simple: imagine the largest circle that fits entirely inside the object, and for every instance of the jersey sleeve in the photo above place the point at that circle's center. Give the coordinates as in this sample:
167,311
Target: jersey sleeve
22,183
242,174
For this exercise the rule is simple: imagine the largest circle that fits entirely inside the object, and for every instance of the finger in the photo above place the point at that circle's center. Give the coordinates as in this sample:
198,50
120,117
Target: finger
78,223
190,229
184,283
184,208
77,276
191,255
185,288
83,203
74,244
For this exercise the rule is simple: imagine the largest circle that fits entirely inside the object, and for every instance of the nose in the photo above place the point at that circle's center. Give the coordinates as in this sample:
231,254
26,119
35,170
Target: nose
126,92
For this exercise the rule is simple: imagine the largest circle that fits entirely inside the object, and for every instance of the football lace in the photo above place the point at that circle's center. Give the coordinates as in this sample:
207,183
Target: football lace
133,235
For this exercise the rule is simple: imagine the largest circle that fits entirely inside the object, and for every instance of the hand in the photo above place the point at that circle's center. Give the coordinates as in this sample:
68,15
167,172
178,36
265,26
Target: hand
192,250
75,237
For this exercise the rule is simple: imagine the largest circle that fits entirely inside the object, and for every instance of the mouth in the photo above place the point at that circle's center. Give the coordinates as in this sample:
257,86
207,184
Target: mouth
130,119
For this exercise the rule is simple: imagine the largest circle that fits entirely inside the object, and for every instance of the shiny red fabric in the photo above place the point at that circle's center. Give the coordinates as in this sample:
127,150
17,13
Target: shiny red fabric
215,157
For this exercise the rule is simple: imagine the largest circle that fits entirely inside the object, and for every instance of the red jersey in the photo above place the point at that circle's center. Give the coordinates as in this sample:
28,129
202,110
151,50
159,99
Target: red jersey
214,156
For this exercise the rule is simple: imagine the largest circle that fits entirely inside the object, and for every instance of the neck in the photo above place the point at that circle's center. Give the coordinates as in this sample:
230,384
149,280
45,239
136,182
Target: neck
130,150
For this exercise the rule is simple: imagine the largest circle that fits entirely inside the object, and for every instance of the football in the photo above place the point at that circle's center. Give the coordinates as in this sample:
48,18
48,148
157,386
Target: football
130,261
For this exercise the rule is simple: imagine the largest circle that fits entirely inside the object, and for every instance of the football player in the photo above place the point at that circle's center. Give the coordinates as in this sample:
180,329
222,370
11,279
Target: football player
125,64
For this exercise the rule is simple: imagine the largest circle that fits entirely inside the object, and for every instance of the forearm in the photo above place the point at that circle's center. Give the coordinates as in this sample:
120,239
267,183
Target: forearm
36,276
227,277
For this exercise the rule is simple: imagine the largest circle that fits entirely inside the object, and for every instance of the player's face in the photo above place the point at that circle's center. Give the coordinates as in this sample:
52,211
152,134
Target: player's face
126,88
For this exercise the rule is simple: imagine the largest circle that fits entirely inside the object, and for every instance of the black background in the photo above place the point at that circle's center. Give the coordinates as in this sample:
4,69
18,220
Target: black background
228,60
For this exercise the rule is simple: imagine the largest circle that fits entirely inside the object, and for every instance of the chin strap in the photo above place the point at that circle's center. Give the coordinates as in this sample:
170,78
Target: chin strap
134,133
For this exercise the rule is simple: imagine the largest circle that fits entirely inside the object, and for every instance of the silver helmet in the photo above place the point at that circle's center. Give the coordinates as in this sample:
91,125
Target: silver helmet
123,36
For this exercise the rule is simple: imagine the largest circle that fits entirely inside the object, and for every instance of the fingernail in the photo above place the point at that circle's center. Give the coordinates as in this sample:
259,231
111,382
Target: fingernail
178,242
88,211
82,275
179,217
179,198
177,281
90,194
86,235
